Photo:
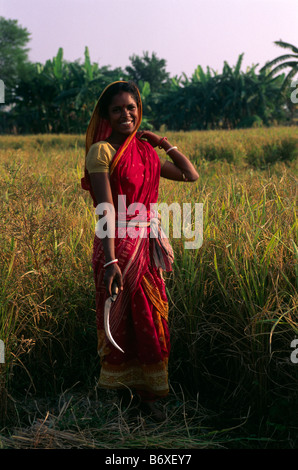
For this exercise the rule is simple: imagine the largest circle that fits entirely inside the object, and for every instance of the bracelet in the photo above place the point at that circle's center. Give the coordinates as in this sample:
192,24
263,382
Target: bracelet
172,148
110,262
161,140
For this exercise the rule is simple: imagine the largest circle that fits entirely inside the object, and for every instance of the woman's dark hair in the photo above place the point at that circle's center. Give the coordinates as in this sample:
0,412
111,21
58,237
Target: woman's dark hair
119,87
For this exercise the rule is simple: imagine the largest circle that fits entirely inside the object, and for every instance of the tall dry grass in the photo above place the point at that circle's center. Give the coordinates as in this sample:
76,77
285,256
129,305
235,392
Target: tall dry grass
232,302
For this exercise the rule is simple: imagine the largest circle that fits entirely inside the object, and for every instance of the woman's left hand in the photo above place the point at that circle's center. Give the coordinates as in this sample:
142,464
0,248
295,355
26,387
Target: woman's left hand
150,137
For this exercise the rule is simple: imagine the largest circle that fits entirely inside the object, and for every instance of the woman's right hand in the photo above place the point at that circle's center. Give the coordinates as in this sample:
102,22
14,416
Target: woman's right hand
113,275
150,137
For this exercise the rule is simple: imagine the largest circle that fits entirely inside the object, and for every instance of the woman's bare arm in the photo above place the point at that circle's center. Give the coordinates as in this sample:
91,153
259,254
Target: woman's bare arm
180,169
100,183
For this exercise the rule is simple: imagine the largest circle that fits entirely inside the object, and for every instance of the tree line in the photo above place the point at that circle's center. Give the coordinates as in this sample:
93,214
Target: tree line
59,96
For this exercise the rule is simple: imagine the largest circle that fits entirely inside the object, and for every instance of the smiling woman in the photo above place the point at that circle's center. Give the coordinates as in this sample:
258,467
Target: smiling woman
123,117
121,109
122,163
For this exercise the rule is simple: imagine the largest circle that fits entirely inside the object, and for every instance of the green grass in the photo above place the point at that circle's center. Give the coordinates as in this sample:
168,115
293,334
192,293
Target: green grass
233,302
90,421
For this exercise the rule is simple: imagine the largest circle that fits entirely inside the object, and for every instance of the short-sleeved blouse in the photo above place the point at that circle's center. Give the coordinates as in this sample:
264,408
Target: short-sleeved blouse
100,156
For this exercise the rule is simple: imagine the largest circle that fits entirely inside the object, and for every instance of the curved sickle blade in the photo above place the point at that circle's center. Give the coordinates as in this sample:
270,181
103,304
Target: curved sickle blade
107,320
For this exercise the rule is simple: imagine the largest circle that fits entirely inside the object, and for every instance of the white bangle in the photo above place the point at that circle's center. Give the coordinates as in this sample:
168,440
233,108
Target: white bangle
172,148
110,262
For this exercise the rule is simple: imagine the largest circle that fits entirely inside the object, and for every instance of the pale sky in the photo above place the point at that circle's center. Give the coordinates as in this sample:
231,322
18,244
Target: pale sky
186,33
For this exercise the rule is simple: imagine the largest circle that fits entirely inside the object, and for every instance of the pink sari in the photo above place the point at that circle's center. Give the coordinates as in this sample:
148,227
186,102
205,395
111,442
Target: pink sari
139,316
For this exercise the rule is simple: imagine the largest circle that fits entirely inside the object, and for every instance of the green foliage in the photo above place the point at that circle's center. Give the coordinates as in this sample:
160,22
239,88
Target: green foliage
13,54
145,92
282,150
232,99
59,96
282,62
148,69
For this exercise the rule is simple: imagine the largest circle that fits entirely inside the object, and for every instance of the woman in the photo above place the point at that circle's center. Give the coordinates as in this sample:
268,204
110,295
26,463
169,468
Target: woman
122,171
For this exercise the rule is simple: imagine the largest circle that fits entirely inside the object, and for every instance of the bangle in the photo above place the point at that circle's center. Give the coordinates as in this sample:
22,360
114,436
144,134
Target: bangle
160,142
110,262
172,148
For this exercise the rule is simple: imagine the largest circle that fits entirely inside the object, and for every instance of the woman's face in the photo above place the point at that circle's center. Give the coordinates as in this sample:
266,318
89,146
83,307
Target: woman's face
123,114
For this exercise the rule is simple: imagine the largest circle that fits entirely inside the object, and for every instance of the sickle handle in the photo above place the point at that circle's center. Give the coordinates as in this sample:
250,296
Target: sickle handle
115,291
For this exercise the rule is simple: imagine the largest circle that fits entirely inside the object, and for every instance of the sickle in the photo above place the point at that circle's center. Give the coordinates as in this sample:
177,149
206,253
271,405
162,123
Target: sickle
107,308
112,298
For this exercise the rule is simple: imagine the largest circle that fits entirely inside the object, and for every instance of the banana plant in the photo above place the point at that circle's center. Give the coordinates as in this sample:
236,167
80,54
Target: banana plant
289,60
145,92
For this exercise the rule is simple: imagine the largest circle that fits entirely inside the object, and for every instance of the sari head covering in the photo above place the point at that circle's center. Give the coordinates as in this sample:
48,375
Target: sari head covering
99,129
138,317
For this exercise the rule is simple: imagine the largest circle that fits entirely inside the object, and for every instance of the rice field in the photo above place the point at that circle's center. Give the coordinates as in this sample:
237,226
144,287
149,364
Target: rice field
233,301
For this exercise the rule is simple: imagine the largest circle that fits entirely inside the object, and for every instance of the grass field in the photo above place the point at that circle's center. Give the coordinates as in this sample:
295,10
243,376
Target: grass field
233,302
